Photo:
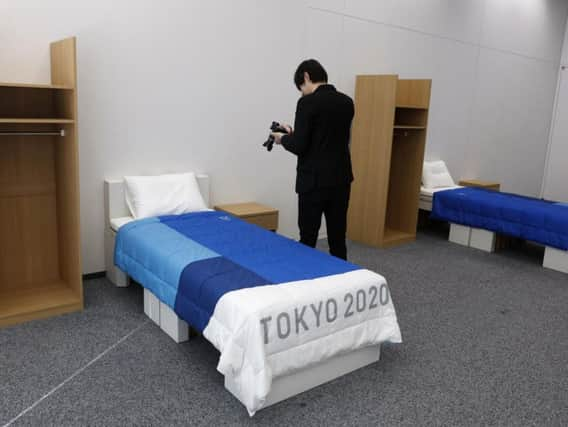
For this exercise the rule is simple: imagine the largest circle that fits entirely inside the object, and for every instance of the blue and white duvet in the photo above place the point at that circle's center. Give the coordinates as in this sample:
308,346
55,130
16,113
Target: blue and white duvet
269,304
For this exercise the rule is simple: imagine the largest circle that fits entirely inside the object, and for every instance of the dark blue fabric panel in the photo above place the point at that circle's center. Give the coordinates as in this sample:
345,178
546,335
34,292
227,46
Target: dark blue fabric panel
267,254
528,218
203,283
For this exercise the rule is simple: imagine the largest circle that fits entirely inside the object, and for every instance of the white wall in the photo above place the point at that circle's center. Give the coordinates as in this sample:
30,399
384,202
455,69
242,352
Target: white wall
555,186
565,48
493,65
169,86
174,85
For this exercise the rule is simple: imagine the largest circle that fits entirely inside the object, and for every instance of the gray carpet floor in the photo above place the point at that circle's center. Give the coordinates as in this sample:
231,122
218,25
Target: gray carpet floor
485,343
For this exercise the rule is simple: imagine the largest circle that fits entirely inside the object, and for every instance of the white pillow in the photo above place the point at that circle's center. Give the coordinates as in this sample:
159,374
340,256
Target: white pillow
171,194
435,175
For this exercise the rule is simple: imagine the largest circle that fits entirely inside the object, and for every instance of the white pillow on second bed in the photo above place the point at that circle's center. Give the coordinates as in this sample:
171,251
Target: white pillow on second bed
170,194
435,175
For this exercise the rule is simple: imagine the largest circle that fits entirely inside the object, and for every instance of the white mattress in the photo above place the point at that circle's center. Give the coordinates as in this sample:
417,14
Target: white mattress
116,223
429,192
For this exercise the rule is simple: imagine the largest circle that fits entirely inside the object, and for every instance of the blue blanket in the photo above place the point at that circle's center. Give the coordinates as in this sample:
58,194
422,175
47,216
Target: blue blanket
528,218
190,261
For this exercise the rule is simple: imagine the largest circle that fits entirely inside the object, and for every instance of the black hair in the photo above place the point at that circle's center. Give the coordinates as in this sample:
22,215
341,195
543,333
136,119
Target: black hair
314,69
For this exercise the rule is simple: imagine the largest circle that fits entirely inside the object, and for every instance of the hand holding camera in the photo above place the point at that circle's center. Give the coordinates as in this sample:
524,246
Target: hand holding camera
275,128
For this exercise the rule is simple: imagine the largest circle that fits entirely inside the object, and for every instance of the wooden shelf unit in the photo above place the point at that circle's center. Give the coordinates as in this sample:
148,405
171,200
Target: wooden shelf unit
409,127
387,149
35,86
36,121
46,299
40,266
410,107
35,102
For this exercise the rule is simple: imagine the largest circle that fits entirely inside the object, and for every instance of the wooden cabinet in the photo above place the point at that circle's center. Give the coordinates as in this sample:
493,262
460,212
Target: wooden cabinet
40,266
388,140
255,213
490,185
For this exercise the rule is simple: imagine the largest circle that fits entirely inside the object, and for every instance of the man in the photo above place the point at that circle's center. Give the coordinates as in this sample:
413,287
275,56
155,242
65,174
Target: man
321,142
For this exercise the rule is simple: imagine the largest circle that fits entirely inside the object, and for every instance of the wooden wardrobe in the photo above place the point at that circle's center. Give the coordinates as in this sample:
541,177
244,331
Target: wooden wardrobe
40,265
388,140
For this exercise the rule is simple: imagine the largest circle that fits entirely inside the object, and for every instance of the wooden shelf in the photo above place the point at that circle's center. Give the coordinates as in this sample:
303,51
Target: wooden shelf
412,107
37,302
388,140
37,121
35,86
40,267
408,127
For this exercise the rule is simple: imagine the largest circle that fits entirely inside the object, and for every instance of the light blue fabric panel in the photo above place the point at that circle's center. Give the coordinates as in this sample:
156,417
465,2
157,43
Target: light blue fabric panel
155,255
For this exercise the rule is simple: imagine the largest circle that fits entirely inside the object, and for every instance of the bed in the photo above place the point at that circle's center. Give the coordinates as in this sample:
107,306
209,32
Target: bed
435,178
284,317
476,214
427,196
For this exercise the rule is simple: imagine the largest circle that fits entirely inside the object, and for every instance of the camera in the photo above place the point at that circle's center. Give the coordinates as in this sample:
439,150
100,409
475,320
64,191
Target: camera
275,127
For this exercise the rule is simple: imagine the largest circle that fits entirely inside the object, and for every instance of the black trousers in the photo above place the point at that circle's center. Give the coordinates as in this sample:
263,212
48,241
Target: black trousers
331,202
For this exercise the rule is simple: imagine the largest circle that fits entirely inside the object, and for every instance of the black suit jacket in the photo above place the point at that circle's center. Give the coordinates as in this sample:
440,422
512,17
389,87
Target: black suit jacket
321,139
